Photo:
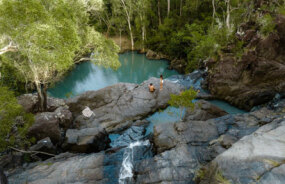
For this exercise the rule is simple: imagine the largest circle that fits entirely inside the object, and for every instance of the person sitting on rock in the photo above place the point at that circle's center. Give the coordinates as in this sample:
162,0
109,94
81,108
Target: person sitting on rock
151,88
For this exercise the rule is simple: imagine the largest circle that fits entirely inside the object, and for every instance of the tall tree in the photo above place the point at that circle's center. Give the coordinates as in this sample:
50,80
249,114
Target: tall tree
41,39
158,12
168,7
141,20
127,6
180,10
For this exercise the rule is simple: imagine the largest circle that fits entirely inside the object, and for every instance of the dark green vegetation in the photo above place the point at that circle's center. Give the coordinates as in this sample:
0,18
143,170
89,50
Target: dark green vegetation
14,122
187,30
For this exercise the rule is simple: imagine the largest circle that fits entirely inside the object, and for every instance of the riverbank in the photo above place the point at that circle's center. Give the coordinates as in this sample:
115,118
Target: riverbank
187,148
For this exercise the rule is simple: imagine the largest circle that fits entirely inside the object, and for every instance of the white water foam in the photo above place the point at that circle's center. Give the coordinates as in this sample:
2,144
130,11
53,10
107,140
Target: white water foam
126,171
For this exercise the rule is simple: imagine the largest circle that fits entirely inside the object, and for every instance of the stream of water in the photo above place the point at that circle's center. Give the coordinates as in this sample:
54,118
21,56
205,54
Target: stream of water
135,68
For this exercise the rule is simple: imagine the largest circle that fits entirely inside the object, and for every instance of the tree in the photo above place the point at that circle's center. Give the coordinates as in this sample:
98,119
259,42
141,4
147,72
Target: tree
141,20
183,100
41,39
127,6
158,12
168,7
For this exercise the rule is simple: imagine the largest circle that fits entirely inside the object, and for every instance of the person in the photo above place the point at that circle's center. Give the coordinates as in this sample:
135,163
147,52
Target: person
151,88
161,82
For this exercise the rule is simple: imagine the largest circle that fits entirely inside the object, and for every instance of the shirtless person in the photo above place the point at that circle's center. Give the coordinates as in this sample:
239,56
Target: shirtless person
161,82
151,88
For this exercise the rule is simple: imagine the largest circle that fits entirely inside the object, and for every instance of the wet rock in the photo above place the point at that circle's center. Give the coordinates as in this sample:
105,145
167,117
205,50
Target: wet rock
133,134
117,107
86,140
44,145
203,111
46,125
193,79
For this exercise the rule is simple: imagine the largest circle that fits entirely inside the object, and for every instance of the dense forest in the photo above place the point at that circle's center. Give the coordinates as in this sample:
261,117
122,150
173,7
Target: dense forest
237,45
188,30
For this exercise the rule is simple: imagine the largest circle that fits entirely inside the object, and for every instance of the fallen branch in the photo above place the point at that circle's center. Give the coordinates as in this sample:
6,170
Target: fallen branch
82,59
35,152
8,48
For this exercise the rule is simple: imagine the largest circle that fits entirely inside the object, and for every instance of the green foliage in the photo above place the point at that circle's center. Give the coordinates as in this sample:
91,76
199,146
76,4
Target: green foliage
184,99
267,25
14,122
281,10
49,36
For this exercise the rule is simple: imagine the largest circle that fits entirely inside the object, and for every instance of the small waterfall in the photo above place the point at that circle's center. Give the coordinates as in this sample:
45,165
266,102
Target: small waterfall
126,171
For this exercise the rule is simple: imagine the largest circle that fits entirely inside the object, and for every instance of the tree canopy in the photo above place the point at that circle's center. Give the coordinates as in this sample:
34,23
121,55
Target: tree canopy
41,39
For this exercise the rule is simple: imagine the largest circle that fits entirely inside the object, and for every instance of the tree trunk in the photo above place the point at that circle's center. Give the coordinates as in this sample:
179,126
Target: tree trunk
228,20
214,12
181,1
143,37
108,30
45,97
40,97
120,38
131,34
158,12
129,23
168,7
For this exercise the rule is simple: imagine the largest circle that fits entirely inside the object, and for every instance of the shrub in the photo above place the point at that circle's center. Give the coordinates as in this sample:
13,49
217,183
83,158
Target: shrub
14,122
267,25
184,99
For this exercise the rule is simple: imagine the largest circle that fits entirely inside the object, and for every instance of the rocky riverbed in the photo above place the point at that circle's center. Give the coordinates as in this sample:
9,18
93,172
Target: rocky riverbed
207,146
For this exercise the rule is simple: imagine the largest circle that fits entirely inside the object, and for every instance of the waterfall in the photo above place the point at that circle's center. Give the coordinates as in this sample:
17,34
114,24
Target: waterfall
126,171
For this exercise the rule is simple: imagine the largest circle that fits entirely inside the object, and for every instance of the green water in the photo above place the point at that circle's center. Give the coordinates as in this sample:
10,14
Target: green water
86,76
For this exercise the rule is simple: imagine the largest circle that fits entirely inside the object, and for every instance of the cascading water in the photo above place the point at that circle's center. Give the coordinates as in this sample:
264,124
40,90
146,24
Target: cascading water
126,171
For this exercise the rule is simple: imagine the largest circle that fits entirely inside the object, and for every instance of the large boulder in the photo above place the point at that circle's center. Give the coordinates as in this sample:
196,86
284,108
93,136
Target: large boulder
63,169
257,76
86,140
203,111
117,107
46,125
29,103
44,145
183,148
256,158
49,124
